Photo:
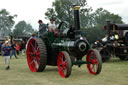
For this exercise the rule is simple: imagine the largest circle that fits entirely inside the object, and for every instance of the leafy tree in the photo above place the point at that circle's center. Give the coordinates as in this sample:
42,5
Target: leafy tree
6,22
62,11
101,15
92,23
50,14
98,20
22,28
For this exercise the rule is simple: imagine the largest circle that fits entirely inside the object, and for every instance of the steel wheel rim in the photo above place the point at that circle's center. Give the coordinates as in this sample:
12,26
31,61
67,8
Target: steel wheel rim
62,64
93,62
33,55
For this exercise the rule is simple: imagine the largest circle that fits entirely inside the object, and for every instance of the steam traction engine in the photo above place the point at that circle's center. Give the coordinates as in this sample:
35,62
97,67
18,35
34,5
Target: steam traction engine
117,42
63,49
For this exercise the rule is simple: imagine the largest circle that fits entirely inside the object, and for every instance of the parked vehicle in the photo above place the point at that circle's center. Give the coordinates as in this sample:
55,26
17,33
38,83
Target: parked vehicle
116,42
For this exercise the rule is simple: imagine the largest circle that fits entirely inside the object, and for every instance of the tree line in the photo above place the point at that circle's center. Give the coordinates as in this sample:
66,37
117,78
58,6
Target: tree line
7,24
91,22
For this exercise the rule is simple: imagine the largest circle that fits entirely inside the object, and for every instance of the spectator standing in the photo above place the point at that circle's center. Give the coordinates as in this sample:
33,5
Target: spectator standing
22,47
6,54
7,39
2,45
17,48
13,49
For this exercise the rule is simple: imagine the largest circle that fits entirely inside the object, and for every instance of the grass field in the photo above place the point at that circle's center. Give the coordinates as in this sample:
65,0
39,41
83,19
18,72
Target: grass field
114,72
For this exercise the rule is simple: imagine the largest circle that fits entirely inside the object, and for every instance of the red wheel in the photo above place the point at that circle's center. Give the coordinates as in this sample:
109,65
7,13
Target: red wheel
95,63
36,55
64,64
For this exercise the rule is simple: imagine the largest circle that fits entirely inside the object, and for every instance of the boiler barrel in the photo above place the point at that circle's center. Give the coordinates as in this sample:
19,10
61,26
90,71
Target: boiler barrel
77,48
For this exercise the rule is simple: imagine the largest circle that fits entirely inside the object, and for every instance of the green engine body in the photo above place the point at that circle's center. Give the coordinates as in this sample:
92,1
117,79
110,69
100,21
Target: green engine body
64,39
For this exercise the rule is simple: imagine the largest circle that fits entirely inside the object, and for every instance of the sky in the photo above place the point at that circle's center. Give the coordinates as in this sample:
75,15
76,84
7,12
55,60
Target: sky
119,7
33,10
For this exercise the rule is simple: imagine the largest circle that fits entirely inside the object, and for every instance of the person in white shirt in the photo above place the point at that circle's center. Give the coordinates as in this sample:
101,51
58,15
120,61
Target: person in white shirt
105,39
51,26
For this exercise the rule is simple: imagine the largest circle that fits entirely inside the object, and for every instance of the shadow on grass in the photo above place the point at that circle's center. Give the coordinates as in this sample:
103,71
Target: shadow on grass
51,69
76,72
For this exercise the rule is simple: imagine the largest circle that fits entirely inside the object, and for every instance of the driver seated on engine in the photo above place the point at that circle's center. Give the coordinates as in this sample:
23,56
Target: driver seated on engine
51,26
42,27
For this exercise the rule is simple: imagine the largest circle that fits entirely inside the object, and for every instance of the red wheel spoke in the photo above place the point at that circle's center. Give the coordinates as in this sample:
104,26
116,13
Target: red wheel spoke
38,54
32,62
92,57
61,68
62,62
35,61
37,49
31,54
35,69
65,70
36,64
36,46
38,58
62,58
93,68
96,62
96,67
33,46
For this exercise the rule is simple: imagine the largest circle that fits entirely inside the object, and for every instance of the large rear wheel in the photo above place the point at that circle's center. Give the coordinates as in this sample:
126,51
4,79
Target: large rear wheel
64,64
36,55
94,62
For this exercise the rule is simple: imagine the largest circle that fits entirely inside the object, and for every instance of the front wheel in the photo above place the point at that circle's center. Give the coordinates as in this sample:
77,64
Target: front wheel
64,64
94,62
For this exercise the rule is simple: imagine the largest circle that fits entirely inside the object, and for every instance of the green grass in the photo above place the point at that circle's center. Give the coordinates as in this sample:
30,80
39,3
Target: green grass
114,72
